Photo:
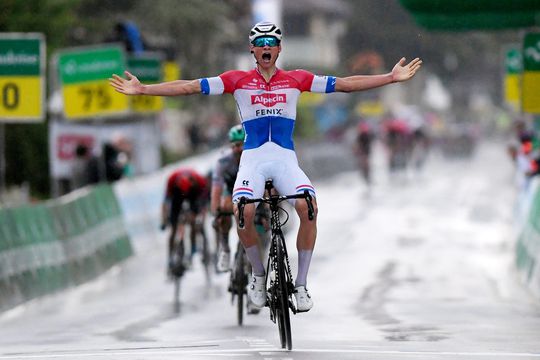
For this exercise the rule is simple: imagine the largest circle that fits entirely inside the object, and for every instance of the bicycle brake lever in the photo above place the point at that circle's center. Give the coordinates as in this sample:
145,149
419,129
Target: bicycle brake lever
241,205
309,204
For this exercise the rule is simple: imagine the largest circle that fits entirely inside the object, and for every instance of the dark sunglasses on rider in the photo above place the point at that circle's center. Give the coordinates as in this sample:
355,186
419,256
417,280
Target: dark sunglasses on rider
265,41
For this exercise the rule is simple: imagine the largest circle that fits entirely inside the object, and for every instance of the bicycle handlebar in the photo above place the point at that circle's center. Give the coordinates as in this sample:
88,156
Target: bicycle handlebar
274,200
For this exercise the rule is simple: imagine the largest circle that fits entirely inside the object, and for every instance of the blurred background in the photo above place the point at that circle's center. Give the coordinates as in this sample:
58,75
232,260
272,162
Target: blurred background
459,92
450,160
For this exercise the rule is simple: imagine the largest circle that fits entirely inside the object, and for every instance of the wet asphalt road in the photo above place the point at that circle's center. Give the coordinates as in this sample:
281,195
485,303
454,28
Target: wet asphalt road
421,268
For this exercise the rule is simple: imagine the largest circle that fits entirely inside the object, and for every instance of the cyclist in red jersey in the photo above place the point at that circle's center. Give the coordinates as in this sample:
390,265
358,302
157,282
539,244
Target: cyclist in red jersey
266,98
183,185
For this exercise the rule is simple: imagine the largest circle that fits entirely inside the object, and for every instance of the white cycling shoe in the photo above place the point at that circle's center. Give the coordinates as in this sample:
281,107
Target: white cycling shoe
251,308
257,291
224,261
303,299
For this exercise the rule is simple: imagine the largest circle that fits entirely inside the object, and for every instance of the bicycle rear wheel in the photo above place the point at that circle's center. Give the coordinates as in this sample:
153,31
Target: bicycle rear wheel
206,257
177,273
176,300
282,311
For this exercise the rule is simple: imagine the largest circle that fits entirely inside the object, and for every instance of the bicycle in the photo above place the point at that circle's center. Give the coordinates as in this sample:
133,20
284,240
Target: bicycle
240,270
206,256
280,287
239,281
178,266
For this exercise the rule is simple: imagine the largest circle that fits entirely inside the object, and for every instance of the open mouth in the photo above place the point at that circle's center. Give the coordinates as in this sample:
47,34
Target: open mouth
266,56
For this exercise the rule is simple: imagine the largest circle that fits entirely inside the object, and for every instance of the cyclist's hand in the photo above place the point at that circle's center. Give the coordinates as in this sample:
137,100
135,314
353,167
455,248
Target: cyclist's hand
402,72
129,86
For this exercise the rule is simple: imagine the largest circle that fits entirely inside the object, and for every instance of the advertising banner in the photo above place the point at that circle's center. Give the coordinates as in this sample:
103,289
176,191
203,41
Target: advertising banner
513,64
148,69
531,74
22,79
142,136
84,74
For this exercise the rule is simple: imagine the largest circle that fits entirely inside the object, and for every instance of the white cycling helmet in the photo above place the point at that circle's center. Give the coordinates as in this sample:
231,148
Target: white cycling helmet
264,28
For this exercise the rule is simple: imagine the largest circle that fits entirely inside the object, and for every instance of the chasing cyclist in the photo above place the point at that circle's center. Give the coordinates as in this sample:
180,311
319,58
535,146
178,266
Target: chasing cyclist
223,178
363,148
221,205
183,185
266,98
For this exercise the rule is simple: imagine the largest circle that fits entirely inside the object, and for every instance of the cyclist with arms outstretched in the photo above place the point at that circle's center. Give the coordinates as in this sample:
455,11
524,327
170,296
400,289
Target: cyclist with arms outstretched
266,98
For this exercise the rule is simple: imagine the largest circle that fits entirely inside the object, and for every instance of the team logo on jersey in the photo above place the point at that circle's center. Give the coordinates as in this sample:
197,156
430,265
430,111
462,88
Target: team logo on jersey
268,100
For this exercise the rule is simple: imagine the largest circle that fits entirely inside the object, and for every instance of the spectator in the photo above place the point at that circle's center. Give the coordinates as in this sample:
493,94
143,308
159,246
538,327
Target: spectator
194,133
79,170
114,169
117,155
85,170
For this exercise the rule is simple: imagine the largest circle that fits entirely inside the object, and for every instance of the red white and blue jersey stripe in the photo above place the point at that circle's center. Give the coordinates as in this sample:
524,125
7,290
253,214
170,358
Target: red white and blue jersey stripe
267,110
301,188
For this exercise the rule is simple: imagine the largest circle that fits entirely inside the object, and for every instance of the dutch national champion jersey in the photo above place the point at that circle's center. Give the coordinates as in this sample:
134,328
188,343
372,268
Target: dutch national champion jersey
267,110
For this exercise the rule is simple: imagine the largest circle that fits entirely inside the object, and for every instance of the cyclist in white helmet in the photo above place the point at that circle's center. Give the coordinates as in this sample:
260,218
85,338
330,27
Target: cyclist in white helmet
267,97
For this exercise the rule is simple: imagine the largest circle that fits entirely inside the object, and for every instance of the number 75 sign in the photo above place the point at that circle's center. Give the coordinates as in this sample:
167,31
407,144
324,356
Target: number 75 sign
84,74
22,83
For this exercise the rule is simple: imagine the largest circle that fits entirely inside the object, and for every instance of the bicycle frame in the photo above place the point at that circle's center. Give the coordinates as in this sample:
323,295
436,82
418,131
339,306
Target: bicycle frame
281,286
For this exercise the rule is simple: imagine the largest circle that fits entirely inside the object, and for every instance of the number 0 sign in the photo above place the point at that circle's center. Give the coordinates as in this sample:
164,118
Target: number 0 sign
22,67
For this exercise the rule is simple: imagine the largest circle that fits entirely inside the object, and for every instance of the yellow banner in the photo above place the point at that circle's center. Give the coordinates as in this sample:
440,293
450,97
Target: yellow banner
21,97
93,99
512,92
310,99
171,71
146,103
369,108
531,92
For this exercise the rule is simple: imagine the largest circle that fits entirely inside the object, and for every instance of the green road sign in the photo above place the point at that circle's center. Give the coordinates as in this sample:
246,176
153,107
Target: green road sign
531,73
531,52
22,79
148,69
82,65
84,74
513,61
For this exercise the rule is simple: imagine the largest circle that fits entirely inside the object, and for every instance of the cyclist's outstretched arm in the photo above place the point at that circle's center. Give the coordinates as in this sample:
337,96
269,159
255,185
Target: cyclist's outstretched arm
399,73
132,86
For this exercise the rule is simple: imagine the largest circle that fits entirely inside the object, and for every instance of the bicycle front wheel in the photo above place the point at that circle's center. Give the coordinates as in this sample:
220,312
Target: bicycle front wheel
282,311
240,285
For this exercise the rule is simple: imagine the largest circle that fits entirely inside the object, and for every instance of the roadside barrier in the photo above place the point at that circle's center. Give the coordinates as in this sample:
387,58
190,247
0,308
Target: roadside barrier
140,199
528,244
49,246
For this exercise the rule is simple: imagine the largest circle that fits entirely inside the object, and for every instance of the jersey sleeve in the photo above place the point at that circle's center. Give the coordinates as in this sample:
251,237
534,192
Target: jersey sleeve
314,83
212,86
224,83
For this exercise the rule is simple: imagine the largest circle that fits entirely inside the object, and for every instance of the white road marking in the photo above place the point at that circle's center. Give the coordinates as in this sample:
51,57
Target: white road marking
264,352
